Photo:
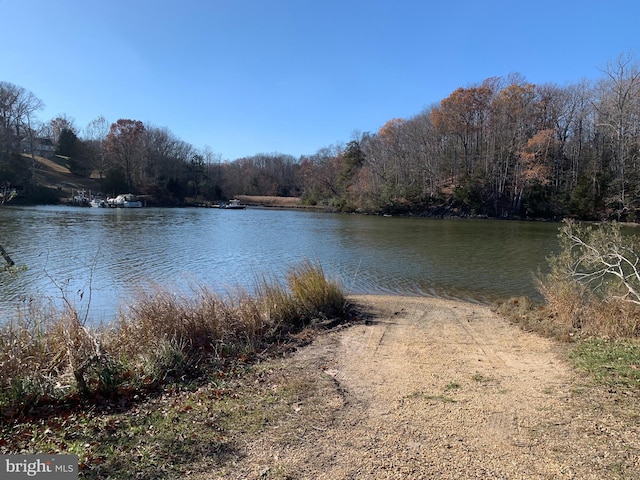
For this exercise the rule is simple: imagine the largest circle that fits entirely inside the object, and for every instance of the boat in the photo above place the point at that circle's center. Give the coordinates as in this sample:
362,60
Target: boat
81,198
98,202
233,205
124,200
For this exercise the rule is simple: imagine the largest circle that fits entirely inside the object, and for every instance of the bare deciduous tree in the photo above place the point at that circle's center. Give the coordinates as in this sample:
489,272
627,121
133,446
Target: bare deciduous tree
124,142
95,136
618,111
602,259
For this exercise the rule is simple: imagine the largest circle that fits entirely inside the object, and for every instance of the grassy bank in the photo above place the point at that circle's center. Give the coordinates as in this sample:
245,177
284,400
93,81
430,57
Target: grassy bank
592,302
607,350
50,358
165,386
191,425
273,201
277,202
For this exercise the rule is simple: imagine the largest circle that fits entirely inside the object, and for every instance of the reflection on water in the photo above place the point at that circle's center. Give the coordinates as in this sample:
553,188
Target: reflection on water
99,258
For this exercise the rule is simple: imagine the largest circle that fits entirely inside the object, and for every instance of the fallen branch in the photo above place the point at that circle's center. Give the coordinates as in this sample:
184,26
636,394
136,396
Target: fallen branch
6,256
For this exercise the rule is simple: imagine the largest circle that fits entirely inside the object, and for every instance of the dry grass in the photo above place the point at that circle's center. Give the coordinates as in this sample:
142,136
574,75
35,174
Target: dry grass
315,296
577,311
207,322
572,312
591,289
49,355
534,318
270,201
40,350
613,320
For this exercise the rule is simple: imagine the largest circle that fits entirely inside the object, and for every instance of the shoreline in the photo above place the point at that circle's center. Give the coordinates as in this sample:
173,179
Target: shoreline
437,388
416,387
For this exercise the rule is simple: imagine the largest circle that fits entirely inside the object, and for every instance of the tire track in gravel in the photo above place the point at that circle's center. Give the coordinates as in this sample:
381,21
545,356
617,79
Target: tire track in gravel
439,389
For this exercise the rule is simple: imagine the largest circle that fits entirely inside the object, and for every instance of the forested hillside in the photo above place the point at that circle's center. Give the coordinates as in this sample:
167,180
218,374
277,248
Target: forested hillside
502,147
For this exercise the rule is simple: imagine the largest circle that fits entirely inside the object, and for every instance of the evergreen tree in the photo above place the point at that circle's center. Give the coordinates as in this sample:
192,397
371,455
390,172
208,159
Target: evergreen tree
67,143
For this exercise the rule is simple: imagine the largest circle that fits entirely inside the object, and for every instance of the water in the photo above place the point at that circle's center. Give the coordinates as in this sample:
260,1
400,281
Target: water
99,258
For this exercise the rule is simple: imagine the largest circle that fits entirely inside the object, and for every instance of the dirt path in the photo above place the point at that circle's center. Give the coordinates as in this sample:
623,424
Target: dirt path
437,389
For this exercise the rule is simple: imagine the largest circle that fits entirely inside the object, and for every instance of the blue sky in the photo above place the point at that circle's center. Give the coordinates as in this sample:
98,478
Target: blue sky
293,76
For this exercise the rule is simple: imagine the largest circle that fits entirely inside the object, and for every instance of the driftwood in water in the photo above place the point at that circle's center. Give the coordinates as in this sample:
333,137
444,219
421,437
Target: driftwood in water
6,256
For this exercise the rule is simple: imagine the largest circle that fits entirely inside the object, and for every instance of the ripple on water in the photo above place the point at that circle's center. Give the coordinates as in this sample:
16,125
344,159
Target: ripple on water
112,253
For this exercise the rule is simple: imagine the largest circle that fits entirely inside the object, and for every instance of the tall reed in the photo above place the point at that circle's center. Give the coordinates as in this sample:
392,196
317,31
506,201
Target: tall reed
48,354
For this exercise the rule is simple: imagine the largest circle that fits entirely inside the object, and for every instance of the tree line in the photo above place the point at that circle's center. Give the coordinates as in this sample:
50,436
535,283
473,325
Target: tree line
127,156
503,147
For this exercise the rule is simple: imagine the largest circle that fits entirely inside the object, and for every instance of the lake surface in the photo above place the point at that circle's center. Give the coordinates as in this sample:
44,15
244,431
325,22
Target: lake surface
99,258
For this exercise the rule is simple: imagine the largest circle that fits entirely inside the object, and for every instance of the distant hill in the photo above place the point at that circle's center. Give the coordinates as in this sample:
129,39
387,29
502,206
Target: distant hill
54,174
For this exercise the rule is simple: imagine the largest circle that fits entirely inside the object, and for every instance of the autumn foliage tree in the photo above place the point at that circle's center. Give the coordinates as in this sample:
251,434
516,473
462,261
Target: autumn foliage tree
534,165
124,145
502,147
463,116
